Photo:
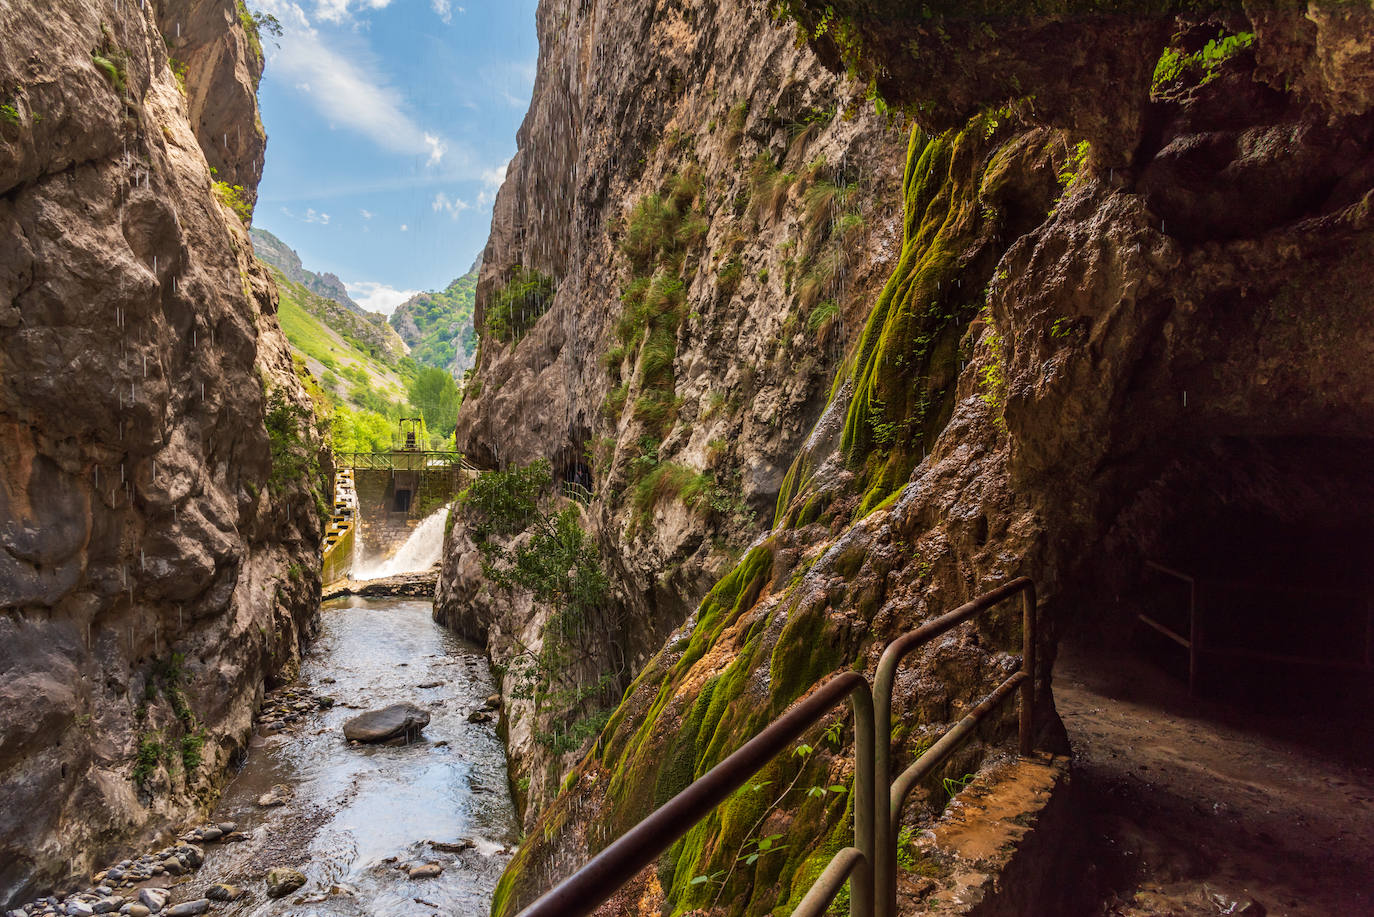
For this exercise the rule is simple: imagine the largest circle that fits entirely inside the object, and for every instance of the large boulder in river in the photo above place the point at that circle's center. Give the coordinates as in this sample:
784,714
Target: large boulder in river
396,721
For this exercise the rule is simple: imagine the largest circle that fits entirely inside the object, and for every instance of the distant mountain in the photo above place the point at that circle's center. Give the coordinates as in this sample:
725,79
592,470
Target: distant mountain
283,257
438,326
327,333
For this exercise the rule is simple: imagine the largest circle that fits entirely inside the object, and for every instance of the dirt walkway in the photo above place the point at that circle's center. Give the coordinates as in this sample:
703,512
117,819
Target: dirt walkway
1193,808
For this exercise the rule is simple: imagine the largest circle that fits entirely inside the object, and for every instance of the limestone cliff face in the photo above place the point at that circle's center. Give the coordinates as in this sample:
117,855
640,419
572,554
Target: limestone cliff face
1126,318
696,155
158,548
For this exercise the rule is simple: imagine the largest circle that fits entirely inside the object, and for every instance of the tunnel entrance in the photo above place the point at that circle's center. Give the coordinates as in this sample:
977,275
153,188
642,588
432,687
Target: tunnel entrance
1248,573
576,481
1257,585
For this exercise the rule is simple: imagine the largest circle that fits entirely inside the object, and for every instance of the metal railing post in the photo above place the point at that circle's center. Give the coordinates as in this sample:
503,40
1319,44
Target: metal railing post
1028,639
885,852
861,888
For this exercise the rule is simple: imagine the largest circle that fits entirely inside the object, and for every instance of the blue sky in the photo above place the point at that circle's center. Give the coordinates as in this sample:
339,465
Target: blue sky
389,125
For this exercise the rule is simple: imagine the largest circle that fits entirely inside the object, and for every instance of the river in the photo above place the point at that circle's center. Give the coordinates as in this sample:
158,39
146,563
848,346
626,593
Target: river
357,812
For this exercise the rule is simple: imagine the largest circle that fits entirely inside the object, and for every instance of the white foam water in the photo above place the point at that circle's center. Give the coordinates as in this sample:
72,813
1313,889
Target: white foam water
419,552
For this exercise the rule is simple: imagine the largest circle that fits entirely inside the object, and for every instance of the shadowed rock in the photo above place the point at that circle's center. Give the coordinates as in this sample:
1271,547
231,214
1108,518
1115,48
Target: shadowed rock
396,721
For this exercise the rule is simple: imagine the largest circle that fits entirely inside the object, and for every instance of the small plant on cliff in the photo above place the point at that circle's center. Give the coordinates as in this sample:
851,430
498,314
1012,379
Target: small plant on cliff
178,69
518,304
233,197
9,114
1178,74
505,502
191,745
114,71
294,459
149,754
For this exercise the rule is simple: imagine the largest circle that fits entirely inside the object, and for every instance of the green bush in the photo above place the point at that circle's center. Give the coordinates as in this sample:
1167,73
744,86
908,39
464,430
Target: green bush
293,457
149,754
516,306
234,197
505,502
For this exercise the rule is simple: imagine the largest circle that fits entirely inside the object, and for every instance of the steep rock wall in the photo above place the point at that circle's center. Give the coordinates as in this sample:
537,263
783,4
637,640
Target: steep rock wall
160,549
700,159
1127,319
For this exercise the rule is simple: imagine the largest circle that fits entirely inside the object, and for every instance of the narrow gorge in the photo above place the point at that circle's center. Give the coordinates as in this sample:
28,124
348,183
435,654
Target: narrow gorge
797,326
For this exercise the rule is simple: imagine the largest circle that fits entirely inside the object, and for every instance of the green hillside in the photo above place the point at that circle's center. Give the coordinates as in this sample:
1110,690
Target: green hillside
367,386
438,326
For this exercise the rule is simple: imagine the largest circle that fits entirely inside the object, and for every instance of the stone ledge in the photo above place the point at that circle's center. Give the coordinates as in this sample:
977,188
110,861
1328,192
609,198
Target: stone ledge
999,843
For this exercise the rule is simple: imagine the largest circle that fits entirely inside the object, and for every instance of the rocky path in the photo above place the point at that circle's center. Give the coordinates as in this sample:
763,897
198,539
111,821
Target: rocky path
1193,807
415,826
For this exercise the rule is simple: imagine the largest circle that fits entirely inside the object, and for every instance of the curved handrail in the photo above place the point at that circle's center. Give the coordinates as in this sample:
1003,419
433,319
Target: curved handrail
885,828
871,864
583,891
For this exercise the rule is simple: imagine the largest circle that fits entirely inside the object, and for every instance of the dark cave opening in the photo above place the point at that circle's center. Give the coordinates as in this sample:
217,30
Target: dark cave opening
576,481
1245,571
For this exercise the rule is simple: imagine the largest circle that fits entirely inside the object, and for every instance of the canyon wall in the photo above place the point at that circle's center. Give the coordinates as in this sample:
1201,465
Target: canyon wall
1117,311
159,493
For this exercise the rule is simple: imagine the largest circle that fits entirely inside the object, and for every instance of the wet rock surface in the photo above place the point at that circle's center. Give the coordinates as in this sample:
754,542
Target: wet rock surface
399,721
409,585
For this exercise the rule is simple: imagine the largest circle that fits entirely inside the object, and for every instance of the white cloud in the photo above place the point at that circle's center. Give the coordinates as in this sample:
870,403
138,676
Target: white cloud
344,80
493,178
450,205
377,297
444,9
311,216
405,227
367,214
341,11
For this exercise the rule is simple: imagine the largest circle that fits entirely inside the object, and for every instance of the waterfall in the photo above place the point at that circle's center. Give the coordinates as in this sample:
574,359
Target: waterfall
419,552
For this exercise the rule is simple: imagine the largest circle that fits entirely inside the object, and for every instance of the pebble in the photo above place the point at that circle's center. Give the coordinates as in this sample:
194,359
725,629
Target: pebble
277,796
283,881
154,899
189,908
137,910
426,871
223,891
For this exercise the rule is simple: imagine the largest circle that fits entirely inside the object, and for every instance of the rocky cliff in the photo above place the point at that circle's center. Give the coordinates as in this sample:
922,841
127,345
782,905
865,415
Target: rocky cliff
276,253
691,213
159,499
1125,317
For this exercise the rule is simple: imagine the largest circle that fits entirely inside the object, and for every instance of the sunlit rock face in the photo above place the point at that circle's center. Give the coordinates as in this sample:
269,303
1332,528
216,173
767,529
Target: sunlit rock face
1125,317
761,153
152,575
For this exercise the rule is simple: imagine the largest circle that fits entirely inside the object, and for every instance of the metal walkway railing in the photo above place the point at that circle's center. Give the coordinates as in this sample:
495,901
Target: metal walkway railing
870,864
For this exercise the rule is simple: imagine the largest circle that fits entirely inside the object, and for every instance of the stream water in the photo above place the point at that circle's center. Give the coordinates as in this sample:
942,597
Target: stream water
359,812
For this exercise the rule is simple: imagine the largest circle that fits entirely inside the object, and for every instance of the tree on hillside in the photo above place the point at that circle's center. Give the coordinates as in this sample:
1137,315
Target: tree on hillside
435,395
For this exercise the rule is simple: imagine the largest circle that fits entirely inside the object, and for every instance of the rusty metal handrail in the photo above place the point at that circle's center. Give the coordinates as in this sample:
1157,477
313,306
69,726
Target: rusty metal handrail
585,890
885,829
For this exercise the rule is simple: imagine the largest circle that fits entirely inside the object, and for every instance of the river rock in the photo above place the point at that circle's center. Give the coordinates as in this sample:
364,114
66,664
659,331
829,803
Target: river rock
136,910
277,796
479,716
396,721
154,899
223,891
426,871
283,881
189,908
107,905
493,701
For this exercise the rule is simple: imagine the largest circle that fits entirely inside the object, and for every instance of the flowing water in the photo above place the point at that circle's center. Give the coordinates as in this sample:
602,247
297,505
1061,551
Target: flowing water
418,553
357,812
